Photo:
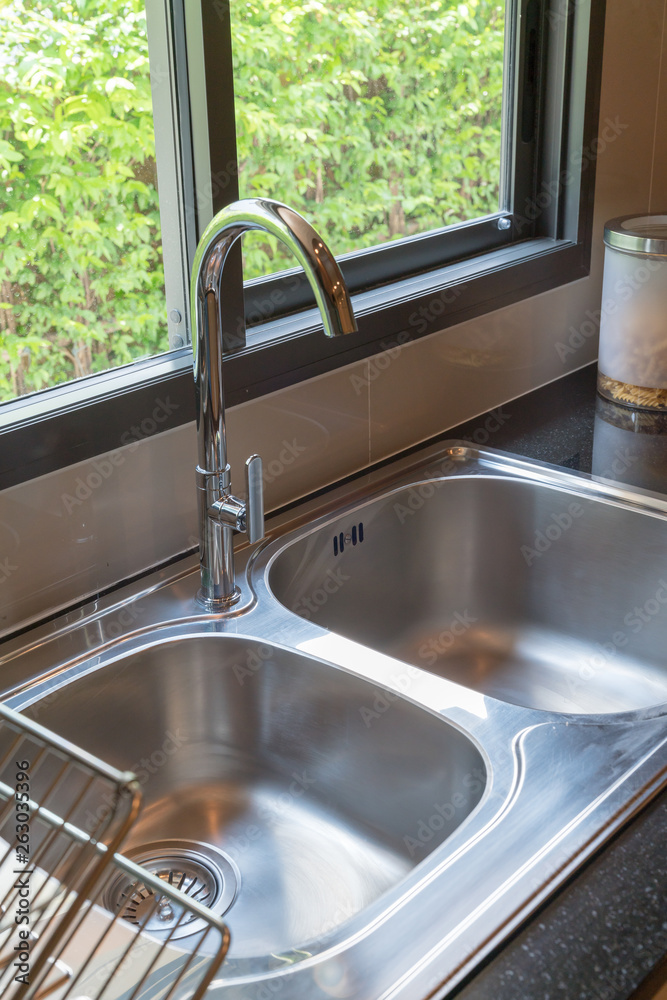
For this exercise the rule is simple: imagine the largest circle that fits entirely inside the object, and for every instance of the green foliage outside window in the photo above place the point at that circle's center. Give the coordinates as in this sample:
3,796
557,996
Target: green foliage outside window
375,120
81,278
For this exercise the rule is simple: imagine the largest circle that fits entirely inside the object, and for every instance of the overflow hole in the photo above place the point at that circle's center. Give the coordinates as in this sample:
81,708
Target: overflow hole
354,536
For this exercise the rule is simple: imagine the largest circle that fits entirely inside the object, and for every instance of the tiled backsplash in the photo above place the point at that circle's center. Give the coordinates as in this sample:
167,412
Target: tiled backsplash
72,533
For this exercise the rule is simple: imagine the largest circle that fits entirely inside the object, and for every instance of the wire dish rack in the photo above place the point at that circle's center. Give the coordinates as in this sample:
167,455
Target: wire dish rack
63,816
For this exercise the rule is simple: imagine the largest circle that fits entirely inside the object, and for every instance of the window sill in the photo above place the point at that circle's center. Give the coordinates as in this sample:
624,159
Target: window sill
48,430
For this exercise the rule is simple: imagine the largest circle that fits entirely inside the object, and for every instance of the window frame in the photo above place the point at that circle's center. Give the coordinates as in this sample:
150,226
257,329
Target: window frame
455,275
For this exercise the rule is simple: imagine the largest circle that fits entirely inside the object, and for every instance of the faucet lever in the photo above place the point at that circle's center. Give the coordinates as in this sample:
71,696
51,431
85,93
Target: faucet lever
255,504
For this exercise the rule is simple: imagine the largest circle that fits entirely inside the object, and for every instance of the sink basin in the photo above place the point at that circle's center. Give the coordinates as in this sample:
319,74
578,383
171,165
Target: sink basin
257,765
366,827
532,594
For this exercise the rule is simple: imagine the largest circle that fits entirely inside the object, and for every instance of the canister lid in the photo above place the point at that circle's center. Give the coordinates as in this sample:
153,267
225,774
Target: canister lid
638,233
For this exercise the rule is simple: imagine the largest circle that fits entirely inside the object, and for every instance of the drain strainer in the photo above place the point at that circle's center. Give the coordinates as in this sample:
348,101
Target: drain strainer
200,871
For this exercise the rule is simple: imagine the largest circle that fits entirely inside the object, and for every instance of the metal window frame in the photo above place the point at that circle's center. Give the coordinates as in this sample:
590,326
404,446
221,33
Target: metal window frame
174,157
454,274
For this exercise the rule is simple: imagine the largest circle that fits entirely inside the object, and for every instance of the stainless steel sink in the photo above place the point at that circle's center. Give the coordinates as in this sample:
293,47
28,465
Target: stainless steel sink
441,689
262,782
531,593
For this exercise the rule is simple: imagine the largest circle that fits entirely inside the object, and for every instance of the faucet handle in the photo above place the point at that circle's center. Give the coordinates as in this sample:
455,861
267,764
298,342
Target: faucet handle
255,503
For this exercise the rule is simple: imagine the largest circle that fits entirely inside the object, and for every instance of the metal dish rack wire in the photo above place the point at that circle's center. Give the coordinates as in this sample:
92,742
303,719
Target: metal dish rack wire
63,816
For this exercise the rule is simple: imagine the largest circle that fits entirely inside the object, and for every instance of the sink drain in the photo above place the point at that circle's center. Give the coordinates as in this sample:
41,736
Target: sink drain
200,871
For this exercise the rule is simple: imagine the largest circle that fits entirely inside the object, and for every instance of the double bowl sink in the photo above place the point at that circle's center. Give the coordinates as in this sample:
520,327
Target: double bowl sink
435,699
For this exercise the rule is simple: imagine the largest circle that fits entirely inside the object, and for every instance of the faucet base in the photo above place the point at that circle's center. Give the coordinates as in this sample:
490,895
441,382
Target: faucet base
217,603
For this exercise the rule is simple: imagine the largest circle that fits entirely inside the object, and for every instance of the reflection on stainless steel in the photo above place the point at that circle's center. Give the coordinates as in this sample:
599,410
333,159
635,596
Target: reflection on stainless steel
381,826
220,512
277,769
514,590
630,445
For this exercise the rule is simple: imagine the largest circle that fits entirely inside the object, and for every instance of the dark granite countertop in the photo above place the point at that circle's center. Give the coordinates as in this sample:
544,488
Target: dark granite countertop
553,424
603,936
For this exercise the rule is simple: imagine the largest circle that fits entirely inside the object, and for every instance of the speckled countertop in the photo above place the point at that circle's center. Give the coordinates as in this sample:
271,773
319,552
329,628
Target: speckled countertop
603,936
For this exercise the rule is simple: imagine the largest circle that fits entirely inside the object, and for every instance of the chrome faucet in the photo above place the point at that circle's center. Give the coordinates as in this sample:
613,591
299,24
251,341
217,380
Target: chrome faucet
220,512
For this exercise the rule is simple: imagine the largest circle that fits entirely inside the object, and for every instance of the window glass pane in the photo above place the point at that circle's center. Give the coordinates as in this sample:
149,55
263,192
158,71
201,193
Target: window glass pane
81,278
377,119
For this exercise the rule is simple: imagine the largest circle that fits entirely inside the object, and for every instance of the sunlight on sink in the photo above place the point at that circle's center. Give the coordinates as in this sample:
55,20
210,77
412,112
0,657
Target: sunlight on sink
403,678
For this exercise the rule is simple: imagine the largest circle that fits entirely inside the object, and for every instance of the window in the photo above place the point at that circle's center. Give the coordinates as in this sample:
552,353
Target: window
445,148
82,278
387,125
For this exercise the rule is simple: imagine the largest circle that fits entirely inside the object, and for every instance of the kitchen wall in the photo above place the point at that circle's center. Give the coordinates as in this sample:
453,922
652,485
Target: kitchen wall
73,533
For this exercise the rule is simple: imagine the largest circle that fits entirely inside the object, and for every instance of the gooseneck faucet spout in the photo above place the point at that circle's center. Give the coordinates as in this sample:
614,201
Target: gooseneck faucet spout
220,512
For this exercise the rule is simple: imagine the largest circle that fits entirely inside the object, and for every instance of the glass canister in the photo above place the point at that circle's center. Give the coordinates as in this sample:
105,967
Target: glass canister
632,364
